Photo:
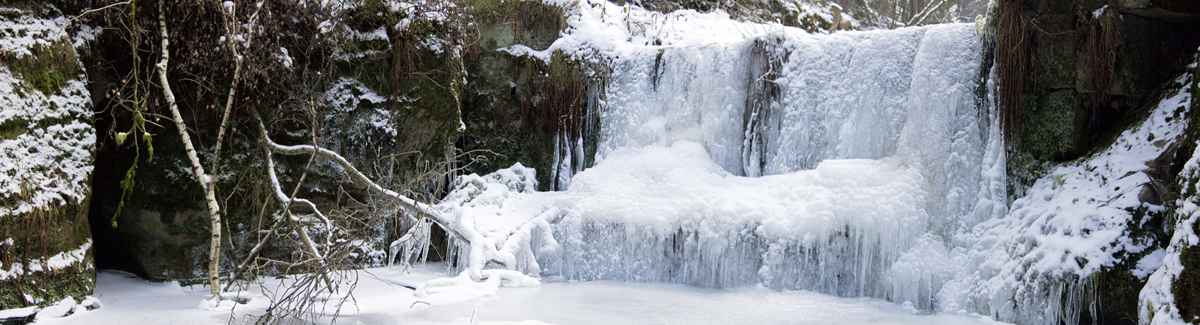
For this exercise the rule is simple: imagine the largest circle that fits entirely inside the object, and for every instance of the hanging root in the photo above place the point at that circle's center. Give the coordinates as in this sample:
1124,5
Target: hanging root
1011,48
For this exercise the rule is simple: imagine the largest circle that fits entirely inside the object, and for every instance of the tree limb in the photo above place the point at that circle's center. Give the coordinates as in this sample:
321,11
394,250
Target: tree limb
410,205
239,61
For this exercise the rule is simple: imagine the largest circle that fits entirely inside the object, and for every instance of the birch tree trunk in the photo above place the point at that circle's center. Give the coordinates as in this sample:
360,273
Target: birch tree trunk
231,32
214,208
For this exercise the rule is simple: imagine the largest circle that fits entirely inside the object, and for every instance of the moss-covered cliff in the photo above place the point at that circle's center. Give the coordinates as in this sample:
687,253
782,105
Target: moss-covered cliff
46,152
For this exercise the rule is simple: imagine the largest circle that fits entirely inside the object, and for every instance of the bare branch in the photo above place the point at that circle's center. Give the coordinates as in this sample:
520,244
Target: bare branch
239,61
410,205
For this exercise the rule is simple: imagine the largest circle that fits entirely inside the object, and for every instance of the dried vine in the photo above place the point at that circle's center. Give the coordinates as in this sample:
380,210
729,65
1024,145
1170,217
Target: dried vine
1104,42
1012,46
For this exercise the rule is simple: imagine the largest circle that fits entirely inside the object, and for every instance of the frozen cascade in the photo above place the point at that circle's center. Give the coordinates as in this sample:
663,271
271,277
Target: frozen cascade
869,143
855,164
770,156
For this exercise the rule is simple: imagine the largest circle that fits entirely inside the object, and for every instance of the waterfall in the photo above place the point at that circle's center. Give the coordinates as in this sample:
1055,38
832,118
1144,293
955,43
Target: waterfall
732,154
861,164
792,160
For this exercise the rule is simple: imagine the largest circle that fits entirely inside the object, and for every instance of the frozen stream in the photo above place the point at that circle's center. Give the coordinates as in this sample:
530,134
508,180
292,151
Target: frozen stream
614,302
128,300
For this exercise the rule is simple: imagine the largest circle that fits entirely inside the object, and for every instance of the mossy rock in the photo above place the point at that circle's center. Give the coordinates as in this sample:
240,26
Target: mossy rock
49,68
37,236
1186,288
1054,129
47,150
512,105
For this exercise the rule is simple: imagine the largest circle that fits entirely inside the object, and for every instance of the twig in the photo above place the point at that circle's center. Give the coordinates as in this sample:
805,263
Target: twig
99,9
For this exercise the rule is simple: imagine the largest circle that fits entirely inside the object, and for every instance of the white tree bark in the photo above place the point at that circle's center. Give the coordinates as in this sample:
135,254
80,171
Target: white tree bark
407,204
214,208
231,31
295,222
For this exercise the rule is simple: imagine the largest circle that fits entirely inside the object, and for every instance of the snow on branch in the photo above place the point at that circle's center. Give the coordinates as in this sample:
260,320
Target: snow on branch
407,204
513,252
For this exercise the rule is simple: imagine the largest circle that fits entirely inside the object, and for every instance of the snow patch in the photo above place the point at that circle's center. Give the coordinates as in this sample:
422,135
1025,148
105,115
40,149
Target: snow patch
53,263
1070,224
1156,301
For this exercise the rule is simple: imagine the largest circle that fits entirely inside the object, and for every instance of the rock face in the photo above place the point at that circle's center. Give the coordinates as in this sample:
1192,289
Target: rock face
402,92
516,106
1172,293
1093,67
47,145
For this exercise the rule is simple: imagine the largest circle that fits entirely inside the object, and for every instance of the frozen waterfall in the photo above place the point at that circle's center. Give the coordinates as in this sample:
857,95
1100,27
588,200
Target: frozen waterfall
867,144
741,154
854,164
761,156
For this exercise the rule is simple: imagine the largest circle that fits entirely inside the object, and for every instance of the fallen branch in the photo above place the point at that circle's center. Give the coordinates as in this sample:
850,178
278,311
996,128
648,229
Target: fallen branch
409,205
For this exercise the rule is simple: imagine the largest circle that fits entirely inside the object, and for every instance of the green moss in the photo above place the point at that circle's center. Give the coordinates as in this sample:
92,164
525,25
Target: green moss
42,234
1187,287
13,128
1052,131
503,116
49,68
46,288
502,12
1116,287
1054,128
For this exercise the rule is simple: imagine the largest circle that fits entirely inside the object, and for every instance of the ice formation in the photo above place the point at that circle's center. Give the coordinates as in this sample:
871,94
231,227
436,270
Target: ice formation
854,164
1035,264
867,144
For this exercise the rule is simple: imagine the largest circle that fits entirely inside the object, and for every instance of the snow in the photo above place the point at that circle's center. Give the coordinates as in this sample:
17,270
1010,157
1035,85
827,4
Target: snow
19,36
875,146
1150,263
379,299
17,312
347,98
883,173
613,30
1156,301
45,166
560,3
1071,223
85,34
875,172
59,309
52,263
284,58
874,150
505,218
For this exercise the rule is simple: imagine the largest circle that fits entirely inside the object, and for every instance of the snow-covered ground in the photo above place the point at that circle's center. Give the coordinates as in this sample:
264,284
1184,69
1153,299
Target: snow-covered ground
129,300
